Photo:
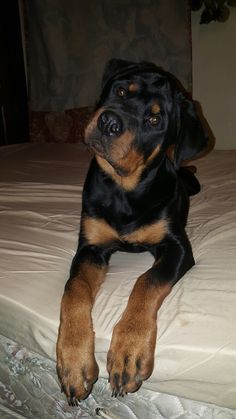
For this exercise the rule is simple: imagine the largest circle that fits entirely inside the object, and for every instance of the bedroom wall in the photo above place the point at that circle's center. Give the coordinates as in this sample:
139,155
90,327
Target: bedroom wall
214,76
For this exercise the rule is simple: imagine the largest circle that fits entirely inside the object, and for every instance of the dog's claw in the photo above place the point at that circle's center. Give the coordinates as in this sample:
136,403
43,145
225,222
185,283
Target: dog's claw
73,402
121,392
114,393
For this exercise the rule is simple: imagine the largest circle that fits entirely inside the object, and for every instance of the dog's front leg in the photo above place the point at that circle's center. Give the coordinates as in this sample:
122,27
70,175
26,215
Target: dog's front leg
130,358
76,365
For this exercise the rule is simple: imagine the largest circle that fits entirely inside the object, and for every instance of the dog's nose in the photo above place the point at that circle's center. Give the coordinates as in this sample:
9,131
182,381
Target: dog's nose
110,124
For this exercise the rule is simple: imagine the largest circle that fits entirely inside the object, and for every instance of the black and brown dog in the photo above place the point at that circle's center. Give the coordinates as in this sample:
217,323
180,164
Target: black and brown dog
135,198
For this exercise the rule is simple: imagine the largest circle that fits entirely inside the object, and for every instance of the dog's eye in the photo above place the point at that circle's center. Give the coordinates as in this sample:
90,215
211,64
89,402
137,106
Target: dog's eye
154,119
121,92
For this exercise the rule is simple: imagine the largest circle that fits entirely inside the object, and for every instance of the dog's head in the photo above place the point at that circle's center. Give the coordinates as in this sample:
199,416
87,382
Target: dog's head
141,114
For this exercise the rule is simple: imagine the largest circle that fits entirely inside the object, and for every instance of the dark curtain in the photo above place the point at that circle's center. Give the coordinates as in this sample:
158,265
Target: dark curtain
70,41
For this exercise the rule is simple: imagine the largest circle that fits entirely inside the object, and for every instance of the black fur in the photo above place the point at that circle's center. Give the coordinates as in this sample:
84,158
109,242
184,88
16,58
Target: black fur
164,186
135,199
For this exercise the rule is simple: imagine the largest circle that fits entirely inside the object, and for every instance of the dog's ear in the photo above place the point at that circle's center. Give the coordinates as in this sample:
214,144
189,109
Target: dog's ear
192,139
112,67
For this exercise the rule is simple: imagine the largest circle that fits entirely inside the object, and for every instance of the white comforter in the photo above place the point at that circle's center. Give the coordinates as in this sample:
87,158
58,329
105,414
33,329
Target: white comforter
40,201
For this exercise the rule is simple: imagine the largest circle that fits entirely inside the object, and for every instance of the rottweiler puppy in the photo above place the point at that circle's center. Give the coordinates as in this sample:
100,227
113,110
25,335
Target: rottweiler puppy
135,199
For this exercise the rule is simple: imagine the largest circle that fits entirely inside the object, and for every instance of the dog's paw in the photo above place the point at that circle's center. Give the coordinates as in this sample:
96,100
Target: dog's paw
130,359
77,368
77,378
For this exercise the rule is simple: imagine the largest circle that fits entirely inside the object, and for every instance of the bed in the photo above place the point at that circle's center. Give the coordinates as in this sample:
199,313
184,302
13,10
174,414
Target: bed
195,367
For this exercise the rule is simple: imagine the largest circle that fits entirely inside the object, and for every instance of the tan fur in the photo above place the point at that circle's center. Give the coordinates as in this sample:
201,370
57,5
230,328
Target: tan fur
171,152
134,337
121,146
92,124
154,153
133,87
98,232
128,183
83,288
122,155
155,109
152,233
145,298
133,161
75,345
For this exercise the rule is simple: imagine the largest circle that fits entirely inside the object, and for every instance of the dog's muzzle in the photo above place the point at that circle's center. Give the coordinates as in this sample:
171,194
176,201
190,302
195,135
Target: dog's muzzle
110,124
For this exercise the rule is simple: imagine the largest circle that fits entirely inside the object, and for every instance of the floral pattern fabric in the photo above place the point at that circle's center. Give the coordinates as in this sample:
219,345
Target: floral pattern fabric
59,127
29,389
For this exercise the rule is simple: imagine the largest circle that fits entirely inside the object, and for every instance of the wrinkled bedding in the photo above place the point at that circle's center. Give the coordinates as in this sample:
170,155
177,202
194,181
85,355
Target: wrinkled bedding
40,201
29,389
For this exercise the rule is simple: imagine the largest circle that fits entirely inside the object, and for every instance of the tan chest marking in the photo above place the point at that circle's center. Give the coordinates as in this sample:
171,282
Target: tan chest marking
152,233
98,232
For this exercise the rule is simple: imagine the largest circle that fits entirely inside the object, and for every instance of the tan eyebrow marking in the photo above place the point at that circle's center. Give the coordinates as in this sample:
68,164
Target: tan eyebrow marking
133,87
155,108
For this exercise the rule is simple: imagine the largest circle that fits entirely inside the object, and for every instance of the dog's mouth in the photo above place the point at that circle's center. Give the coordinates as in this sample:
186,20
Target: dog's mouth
96,148
116,149
99,150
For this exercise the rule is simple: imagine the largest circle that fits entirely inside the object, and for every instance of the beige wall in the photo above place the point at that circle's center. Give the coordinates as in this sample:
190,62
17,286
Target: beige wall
214,76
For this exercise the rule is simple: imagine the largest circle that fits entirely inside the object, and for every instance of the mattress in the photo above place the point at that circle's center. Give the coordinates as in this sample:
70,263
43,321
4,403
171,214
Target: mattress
40,202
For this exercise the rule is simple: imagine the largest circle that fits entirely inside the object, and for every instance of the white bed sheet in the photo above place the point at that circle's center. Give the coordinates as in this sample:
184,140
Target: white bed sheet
40,201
